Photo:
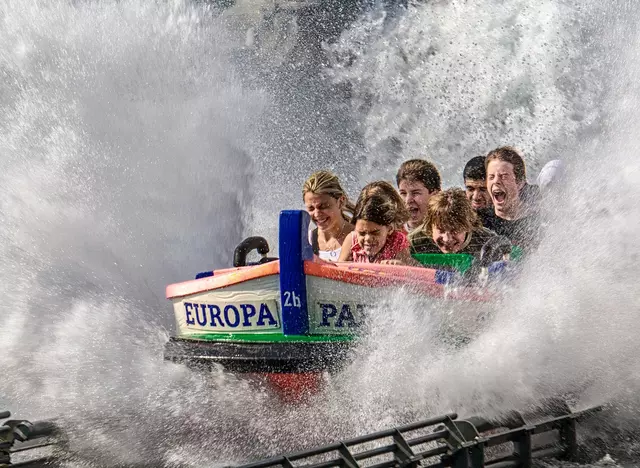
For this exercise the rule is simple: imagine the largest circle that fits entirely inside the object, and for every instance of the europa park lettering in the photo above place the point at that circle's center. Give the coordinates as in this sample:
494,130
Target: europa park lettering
340,317
230,315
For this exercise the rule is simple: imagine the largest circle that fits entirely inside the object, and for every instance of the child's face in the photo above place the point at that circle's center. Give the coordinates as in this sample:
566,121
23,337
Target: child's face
449,241
416,198
503,188
372,236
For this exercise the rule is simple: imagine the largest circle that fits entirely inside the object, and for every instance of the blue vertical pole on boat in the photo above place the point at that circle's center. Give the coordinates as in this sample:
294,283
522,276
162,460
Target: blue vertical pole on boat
294,250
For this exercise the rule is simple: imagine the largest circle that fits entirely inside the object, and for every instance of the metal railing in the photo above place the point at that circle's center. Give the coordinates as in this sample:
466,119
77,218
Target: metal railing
439,442
20,438
446,441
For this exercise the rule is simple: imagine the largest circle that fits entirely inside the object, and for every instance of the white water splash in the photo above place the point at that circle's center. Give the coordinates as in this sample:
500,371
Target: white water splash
449,80
131,135
136,150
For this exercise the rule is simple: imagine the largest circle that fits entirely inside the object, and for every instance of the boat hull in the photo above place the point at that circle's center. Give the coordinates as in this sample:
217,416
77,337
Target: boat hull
260,357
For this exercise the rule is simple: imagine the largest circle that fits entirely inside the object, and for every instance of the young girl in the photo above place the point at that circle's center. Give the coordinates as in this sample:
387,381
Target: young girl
385,189
328,205
375,238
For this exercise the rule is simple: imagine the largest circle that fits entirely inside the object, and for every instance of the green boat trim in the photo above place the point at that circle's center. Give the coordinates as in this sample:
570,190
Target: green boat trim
459,261
266,337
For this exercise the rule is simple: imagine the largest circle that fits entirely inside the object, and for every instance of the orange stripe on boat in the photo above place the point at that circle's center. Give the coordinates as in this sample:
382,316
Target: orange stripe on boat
418,280
222,278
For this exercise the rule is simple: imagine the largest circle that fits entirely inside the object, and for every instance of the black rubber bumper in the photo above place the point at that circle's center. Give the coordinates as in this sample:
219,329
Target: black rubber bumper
237,356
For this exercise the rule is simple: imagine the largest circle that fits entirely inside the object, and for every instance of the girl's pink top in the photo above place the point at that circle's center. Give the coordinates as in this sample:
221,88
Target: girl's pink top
396,242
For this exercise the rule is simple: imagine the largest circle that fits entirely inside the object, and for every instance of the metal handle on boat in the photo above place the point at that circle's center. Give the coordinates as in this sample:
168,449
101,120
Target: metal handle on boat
249,244
494,250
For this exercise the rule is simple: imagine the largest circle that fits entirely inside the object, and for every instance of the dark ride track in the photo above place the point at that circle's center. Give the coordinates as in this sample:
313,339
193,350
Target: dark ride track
29,444
515,440
447,441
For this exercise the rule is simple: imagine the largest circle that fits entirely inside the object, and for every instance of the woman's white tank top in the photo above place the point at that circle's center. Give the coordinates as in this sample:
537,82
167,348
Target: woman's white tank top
327,255
330,255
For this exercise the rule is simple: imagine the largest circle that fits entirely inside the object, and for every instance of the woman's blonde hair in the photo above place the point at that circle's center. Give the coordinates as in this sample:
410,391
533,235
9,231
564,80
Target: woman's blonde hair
380,203
327,183
450,210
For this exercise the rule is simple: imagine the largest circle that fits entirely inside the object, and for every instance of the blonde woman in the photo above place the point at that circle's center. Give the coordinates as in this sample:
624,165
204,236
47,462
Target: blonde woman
330,210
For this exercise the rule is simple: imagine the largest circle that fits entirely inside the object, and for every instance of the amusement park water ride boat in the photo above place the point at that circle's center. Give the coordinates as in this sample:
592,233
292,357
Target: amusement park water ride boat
28,444
292,318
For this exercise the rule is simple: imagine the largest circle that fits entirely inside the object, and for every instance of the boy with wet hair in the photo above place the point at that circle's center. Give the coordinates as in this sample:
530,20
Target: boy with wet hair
475,183
418,180
515,203
450,226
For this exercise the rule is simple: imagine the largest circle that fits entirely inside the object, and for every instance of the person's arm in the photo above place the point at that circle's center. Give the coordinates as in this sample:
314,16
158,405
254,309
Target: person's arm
345,253
406,257
403,258
313,238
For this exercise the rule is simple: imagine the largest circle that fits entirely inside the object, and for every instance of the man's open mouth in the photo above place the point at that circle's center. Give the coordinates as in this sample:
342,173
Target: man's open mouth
498,195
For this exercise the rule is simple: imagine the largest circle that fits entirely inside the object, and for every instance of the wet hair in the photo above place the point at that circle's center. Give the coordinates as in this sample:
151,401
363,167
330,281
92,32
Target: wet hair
385,189
327,183
510,155
475,169
381,187
419,170
380,208
450,210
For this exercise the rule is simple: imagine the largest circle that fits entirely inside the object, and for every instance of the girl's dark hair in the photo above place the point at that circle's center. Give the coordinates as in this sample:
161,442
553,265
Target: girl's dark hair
380,209
385,189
